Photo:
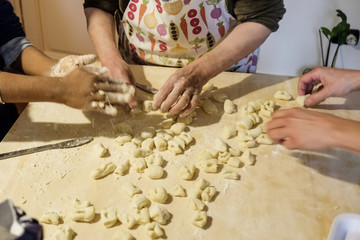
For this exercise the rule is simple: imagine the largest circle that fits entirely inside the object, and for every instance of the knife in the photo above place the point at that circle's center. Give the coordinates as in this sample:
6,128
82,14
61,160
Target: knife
146,88
67,144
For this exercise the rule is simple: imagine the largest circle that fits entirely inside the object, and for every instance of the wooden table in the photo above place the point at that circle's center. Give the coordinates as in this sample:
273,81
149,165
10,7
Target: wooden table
285,195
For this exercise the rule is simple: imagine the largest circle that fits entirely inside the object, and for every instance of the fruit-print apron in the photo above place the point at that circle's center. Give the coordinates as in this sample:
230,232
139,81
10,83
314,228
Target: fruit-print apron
174,33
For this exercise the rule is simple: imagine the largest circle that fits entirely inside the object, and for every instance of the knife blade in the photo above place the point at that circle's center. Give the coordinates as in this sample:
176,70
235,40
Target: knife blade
67,144
146,88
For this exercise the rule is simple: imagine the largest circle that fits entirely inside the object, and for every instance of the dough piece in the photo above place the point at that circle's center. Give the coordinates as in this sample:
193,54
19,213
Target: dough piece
234,162
138,164
178,191
208,194
220,97
130,189
223,157
300,100
264,139
99,150
248,158
64,232
229,106
50,218
174,147
167,123
123,168
180,141
126,219
209,86
123,138
266,112
195,193
125,128
137,140
228,174
160,143
209,166
196,204
282,95
186,137
248,144
139,201
177,128
147,132
148,144
206,154
104,170
147,105
135,112
164,134
228,132
159,214
122,235
234,152
153,230
187,172
245,123
142,216
199,219
108,217
209,107
255,132
154,159
221,145
255,118
140,152
157,194
187,119
82,211
154,172
202,183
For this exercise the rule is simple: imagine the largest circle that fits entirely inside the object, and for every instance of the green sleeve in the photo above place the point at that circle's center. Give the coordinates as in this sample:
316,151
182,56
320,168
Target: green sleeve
266,12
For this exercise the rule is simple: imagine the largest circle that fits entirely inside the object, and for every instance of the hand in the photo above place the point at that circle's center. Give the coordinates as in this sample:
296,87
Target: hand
298,128
120,70
68,63
181,91
84,90
335,83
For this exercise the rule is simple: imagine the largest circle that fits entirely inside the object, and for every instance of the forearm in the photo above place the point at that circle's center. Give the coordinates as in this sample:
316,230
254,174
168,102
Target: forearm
243,40
347,135
34,62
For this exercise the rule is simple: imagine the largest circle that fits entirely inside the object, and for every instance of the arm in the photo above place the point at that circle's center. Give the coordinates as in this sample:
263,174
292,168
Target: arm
335,83
291,128
186,83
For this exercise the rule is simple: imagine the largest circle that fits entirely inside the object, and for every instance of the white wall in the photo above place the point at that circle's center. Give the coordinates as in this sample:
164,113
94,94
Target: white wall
296,46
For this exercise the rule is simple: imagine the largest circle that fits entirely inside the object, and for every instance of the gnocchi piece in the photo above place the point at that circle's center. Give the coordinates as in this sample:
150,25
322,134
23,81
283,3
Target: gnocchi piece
254,132
174,147
154,159
234,162
160,143
50,218
123,138
178,191
158,194
108,217
199,219
167,123
228,174
187,119
125,128
135,112
139,201
140,152
99,150
209,166
104,170
122,235
153,230
223,157
300,100
142,216
64,232
164,134
229,106
123,168
126,219
205,155
248,158
186,137
246,122
255,118
282,95
159,214
147,132
136,140
187,172
234,152
255,105
177,128
202,183
180,141
138,164
147,105
220,97
248,144
154,172
208,194
82,211
221,145
196,204
209,107
228,132
209,86
195,193
148,144
264,139
130,189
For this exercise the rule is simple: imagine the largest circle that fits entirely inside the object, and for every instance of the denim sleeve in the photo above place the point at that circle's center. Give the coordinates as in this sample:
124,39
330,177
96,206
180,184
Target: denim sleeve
11,50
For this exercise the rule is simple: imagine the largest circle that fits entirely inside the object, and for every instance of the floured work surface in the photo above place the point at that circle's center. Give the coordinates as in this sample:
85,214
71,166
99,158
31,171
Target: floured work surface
285,194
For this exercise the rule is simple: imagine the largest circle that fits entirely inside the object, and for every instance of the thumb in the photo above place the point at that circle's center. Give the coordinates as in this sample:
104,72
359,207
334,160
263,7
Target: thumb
85,59
316,98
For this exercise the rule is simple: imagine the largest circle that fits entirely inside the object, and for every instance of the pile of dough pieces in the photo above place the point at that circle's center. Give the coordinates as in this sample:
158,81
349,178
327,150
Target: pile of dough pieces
172,134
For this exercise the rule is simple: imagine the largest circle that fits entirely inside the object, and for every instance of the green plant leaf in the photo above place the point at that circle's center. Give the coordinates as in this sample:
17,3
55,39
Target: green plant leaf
326,32
341,15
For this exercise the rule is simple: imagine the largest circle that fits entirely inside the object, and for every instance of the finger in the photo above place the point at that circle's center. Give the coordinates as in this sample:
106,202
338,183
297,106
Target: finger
182,103
160,97
191,106
279,135
117,87
317,97
96,70
82,60
171,99
119,98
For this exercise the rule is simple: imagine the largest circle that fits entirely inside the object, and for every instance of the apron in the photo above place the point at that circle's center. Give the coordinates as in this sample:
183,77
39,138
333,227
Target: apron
174,33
